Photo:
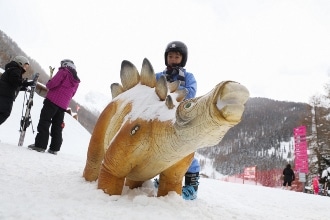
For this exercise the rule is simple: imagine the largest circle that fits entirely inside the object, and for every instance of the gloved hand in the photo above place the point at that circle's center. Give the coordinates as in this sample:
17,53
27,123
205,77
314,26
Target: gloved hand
172,72
27,83
23,88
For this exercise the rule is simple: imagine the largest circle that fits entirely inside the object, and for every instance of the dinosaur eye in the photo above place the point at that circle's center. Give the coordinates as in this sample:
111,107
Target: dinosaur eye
135,129
187,105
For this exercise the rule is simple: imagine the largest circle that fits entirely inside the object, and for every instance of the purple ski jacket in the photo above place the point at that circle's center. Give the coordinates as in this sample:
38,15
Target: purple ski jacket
62,87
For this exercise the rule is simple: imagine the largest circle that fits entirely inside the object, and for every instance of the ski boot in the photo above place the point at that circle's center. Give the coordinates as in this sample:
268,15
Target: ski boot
33,147
189,190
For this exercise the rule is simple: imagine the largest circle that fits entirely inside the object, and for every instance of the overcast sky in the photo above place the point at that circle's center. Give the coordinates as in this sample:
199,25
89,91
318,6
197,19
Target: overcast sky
279,49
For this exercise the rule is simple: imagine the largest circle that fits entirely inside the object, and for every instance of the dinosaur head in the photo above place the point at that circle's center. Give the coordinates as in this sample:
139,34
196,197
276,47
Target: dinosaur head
207,118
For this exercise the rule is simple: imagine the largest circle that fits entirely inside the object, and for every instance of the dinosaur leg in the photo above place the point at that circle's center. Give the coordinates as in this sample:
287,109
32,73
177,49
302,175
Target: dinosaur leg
109,183
133,184
93,163
171,178
96,146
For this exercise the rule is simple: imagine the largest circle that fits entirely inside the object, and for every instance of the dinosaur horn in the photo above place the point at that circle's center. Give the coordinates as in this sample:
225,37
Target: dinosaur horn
129,75
173,86
148,76
116,89
161,88
182,93
169,102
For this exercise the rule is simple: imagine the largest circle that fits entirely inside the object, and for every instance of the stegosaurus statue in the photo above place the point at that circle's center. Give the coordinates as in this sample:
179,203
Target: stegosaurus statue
148,129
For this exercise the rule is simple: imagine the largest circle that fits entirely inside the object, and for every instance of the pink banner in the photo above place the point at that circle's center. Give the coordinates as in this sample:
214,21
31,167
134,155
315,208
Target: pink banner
299,130
300,143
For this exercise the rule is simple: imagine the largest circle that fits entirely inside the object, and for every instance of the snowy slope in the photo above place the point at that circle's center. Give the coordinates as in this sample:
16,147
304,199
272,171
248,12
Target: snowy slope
44,186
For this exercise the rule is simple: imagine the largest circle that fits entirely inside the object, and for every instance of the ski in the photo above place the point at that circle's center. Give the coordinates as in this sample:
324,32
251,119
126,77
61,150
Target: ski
51,70
26,119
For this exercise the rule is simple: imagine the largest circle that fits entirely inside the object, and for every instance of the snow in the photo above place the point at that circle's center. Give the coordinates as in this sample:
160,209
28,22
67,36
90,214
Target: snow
146,104
37,185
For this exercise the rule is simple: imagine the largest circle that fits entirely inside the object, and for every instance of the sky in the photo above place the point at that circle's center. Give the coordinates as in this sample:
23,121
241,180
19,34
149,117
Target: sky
278,49
37,185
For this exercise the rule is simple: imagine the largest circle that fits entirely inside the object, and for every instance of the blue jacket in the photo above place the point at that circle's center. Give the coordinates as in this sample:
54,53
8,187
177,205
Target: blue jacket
190,83
194,166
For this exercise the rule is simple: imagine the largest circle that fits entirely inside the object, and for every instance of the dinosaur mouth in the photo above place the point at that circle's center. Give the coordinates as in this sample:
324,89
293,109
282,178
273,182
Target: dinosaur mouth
225,103
230,100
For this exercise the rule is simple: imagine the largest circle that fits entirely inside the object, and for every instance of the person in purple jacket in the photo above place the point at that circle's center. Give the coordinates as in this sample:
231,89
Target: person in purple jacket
61,88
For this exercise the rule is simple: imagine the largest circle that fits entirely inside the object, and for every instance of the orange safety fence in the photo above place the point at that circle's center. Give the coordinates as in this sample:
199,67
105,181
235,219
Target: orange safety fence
269,178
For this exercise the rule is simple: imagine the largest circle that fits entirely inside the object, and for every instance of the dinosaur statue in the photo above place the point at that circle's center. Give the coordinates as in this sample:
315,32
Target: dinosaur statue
148,129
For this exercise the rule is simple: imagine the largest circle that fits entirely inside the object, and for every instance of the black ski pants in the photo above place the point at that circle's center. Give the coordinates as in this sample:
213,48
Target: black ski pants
6,105
52,115
191,179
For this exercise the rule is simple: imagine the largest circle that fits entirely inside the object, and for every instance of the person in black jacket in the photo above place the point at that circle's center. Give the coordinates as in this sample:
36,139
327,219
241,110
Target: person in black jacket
11,82
288,177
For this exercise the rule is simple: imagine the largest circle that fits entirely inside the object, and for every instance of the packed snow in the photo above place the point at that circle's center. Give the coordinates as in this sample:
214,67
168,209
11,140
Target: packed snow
37,185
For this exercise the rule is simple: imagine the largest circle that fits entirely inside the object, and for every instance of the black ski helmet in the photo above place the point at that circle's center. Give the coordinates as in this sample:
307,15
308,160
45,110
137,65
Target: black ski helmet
177,46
